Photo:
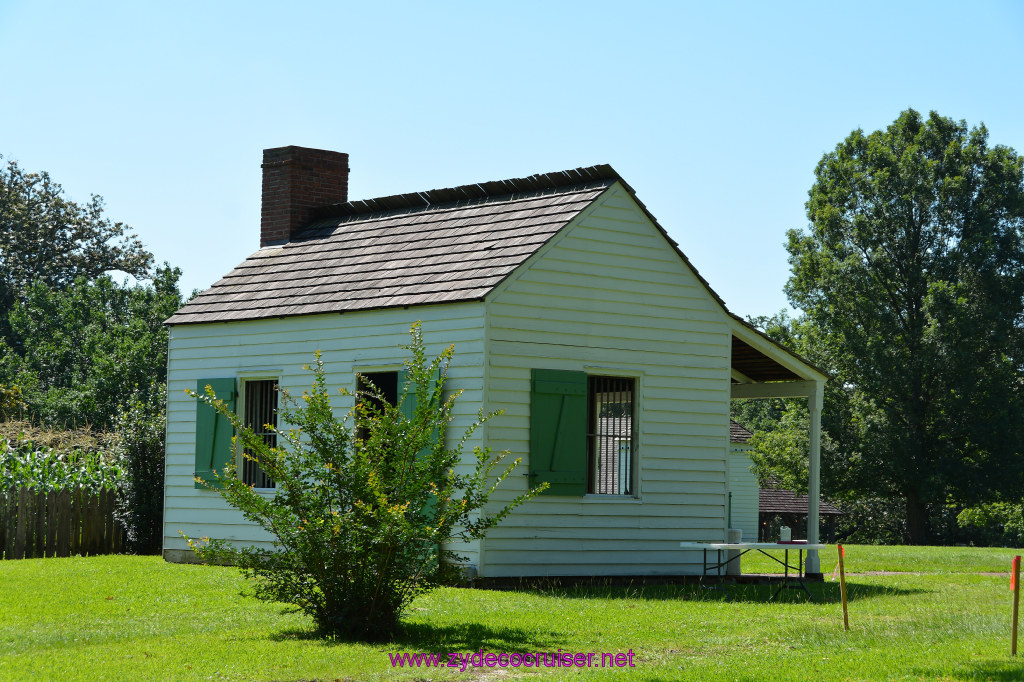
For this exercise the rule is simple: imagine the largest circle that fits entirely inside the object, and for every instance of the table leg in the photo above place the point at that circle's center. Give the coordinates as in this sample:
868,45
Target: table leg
785,573
717,566
802,575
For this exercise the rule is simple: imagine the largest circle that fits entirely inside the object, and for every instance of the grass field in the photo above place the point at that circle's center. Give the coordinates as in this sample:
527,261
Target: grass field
140,618
869,558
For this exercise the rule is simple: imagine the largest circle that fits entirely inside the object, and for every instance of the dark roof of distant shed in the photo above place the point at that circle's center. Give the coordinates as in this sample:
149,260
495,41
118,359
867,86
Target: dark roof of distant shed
782,501
440,246
737,433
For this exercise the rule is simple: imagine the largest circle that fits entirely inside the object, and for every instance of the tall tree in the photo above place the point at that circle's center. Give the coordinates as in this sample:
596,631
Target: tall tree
45,237
911,272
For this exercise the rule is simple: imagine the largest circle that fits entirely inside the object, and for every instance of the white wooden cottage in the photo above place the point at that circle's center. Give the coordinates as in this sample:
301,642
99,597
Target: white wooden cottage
743,491
569,307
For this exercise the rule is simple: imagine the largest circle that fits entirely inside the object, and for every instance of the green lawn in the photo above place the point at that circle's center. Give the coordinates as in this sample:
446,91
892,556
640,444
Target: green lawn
870,558
140,618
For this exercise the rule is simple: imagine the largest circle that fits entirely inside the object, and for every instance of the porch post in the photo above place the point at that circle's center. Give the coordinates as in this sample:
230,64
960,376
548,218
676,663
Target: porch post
814,404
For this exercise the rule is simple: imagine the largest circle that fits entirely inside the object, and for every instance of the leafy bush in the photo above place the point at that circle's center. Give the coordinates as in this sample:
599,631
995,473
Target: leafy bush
140,453
997,523
360,512
23,464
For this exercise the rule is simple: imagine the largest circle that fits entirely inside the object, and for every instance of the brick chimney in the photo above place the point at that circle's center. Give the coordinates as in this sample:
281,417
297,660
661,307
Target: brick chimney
297,180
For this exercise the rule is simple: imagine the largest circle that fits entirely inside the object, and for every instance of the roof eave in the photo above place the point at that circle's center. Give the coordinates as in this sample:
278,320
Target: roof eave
169,322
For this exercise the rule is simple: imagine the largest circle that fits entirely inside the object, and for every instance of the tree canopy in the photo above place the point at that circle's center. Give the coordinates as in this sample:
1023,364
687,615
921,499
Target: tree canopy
75,345
910,275
47,238
79,355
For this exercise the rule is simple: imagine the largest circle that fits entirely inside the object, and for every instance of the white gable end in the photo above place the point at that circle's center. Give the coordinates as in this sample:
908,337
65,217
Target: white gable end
610,296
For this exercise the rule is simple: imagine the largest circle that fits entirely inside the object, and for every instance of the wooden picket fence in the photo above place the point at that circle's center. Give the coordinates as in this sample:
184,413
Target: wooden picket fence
61,523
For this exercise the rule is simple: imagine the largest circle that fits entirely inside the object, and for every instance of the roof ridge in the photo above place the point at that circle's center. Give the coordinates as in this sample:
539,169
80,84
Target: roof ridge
513,189
508,204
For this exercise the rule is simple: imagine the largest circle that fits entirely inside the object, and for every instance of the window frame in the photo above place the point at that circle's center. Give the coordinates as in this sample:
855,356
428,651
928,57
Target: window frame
243,382
559,432
593,435
377,369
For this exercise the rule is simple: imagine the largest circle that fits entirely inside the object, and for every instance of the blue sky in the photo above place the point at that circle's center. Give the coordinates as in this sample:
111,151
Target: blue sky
716,113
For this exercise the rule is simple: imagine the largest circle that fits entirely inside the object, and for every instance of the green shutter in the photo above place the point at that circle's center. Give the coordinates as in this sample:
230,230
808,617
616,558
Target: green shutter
558,431
213,431
408,408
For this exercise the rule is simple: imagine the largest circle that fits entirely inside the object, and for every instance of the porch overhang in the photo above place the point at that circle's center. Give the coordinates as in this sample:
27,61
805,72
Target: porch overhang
762,368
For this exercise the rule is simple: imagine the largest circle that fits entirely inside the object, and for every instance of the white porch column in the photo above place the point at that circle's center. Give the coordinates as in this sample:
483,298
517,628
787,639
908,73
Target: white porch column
814,404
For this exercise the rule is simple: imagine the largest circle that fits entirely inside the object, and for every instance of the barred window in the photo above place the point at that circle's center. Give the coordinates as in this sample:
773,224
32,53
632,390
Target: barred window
259,411
610,436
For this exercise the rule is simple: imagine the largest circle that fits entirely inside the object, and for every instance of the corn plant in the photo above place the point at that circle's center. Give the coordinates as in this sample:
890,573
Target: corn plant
24,465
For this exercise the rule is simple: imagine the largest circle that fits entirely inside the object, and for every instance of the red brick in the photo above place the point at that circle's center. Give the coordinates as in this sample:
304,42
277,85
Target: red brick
297,180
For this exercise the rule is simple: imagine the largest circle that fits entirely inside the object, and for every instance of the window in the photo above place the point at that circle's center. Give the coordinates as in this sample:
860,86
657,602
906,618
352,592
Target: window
386,383
260,411
581,433
214,449
610,435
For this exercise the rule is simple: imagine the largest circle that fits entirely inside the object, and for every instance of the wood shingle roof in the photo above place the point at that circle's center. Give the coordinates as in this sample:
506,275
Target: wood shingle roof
440,246
783,501
738,433
437,246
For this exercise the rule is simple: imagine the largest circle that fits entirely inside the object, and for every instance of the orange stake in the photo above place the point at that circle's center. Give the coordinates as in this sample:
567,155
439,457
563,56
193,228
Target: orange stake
842,590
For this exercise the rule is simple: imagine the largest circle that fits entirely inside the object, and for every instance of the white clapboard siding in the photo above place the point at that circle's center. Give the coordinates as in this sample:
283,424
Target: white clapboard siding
744,489
609,295
279,348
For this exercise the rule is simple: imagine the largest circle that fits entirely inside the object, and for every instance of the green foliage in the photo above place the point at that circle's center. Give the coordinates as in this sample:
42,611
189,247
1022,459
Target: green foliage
998,523
51,240
781,454
25,465
80,353
871,520
77,349
10,401
140,453
360,512
912,284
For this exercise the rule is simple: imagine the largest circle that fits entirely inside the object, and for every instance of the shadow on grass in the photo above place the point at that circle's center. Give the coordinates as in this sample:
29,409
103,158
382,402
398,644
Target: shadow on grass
823,593
996,671
827,593
474,636
431,637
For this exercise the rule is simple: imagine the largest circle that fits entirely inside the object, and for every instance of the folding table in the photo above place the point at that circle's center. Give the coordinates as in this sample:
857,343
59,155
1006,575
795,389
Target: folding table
796,581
